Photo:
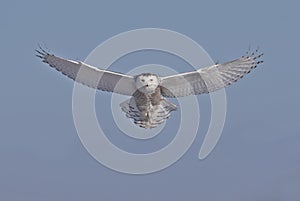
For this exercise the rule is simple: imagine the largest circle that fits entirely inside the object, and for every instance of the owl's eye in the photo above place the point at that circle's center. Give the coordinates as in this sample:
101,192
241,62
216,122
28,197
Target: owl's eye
142,80
151,80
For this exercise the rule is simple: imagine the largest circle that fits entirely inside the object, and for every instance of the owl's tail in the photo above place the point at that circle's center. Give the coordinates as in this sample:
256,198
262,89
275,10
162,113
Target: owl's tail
150,119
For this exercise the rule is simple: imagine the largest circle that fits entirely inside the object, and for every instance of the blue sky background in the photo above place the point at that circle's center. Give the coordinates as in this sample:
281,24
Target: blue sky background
258,155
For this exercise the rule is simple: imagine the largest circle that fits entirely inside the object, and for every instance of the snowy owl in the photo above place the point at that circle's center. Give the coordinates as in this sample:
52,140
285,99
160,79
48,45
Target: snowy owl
147,105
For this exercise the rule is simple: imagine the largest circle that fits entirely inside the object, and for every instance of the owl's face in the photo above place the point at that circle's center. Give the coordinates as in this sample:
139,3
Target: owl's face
147,83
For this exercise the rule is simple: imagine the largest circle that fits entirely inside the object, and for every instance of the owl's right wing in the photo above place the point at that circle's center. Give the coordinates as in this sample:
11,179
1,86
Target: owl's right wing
89,75
209,79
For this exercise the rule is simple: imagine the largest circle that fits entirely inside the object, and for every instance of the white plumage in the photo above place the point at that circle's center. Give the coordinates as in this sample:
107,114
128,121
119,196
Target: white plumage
148,107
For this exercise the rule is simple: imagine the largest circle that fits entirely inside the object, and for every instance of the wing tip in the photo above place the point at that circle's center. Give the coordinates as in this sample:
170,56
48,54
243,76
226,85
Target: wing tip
255,56
41,53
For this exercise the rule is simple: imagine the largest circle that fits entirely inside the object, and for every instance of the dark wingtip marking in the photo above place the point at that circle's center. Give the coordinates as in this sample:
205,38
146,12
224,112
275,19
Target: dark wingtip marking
41,52
42,49
39,56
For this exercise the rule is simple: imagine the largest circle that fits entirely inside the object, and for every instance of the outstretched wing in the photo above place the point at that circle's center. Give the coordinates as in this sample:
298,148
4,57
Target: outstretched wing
209,79
90,76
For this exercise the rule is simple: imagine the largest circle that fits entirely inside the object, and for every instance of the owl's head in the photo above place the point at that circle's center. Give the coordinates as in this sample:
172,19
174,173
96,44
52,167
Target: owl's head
147,82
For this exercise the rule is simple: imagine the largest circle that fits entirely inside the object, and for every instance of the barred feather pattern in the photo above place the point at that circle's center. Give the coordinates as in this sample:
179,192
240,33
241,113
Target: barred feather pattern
149,117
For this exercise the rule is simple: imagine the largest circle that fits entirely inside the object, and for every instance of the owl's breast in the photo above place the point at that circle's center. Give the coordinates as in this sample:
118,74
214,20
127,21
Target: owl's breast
146,101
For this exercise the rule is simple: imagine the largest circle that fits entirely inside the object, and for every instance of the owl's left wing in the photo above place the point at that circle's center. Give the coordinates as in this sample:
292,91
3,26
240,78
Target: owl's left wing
89,75
210,78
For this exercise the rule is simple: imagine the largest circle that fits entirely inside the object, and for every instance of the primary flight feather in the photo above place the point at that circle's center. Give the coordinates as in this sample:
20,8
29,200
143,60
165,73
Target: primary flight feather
147,106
